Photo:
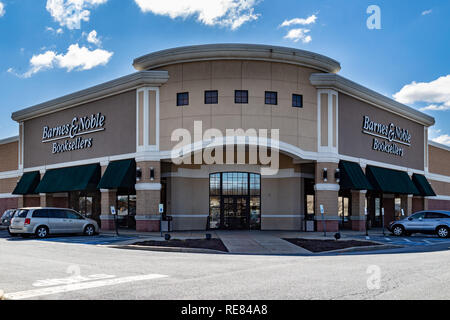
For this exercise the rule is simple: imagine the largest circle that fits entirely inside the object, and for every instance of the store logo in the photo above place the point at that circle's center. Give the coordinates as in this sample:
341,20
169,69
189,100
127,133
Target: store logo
391,134
73,132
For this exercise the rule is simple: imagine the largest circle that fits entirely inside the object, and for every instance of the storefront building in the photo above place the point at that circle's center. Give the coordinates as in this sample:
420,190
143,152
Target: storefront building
346,153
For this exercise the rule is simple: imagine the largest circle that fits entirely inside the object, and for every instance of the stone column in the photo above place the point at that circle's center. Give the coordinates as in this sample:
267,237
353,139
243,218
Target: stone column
46,200
407,204
358,216
425,203
108,199
148,194
327,193
20,201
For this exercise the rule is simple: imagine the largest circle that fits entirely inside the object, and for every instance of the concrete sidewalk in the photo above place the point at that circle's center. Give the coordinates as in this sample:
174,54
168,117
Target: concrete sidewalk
247,242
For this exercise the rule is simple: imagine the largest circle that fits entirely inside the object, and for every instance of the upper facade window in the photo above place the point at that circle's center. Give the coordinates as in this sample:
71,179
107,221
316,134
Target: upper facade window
241,96
297,101
211,97
271,98
183,99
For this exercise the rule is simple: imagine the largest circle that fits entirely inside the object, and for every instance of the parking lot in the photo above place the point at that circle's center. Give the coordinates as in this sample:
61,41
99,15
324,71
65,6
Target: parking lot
75,239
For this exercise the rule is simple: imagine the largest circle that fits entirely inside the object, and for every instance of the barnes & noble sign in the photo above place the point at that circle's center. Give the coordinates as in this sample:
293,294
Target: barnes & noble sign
73,133
388,138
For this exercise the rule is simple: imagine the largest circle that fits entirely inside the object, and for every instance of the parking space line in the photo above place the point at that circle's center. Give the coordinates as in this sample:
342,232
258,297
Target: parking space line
79,286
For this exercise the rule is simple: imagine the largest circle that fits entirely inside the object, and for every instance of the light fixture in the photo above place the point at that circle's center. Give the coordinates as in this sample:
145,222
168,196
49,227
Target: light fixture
325,174
138,174
337,175
152,174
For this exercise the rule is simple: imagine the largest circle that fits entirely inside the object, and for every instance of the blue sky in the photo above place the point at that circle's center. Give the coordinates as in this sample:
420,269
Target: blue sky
50,48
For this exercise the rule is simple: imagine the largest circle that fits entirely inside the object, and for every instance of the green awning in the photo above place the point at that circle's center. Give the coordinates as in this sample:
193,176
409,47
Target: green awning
119,175
390,181
28,183
82,178
423,185
352,177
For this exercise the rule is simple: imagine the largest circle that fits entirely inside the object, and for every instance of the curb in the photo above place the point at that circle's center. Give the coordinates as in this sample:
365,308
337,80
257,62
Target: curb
166,249
362,249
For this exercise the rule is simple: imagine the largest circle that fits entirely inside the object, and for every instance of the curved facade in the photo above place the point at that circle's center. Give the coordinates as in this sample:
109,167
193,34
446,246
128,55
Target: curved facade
227,136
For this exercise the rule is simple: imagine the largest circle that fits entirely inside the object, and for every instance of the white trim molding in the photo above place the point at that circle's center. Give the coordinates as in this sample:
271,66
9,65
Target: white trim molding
107,89
341,84
234,51
327,187
441,198
8,196
148,186
147,147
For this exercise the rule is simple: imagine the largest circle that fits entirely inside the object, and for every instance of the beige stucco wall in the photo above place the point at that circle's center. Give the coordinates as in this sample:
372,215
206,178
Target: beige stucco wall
353,142
9,156
297,126
119,136
439,160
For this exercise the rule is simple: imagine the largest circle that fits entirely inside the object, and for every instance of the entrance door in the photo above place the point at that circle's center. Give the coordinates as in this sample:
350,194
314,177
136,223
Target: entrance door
236,213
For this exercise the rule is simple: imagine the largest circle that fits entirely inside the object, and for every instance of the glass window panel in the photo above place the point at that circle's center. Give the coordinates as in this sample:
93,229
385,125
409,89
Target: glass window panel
377,207
310,204
122,205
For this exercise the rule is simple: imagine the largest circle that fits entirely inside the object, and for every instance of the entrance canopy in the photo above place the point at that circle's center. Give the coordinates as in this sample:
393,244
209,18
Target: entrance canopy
390,181
82,178
423,185
119,175
352,177
27,183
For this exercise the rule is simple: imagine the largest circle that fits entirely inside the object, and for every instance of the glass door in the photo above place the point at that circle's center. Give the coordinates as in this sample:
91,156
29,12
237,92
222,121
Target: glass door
235,214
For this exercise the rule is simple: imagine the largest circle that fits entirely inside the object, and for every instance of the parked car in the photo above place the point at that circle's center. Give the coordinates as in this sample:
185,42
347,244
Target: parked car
6,217
44,221
431,222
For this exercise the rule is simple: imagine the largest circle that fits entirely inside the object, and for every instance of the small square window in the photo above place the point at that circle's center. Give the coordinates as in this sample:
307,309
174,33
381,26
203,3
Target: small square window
183,99
297,101
212,97
241,96
271,97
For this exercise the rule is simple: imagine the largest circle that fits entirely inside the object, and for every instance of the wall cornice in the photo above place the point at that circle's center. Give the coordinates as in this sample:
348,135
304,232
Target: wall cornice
341,84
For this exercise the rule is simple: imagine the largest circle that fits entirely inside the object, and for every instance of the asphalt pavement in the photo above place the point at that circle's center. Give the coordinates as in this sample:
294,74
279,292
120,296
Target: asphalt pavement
35,269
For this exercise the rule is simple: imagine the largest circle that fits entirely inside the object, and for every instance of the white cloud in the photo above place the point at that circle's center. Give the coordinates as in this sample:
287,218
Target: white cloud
226,13
299,34
76,58
57,31
434,107
427,12
436,92
2,9
70,13
310,20
443,139
92,38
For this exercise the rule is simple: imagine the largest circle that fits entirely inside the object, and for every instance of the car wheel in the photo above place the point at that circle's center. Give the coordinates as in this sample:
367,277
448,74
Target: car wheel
89,230
398,230
442,232
42,232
